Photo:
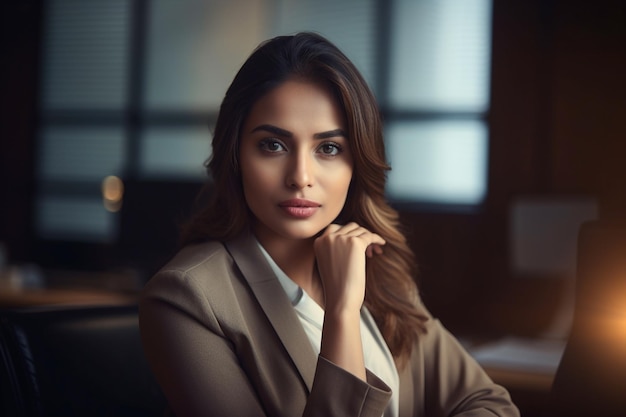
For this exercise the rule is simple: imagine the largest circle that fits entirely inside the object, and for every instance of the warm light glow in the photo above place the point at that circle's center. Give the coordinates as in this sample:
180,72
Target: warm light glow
611,331
112,193
609,321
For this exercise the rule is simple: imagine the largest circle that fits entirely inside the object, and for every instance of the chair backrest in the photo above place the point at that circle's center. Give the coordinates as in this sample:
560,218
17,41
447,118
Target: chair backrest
591,378
68,361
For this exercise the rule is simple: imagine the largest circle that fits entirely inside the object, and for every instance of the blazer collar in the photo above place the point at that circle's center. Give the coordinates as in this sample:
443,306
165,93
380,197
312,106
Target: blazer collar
275,303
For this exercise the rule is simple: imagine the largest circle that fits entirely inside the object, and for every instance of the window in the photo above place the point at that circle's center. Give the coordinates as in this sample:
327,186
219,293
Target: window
82,136
437,100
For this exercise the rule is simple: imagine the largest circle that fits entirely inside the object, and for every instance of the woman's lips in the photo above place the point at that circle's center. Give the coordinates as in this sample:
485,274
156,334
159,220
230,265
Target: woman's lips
299,208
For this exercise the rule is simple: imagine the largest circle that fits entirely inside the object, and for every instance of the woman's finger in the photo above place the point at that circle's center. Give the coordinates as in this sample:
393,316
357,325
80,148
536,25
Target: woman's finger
348,228
354,229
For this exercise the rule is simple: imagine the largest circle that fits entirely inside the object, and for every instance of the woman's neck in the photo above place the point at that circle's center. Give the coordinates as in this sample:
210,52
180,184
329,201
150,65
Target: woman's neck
296,258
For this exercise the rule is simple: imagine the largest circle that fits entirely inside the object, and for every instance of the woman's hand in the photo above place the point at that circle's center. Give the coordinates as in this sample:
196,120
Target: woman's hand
341,255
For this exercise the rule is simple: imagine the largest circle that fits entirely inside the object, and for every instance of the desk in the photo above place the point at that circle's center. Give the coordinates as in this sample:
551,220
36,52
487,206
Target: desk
525,366
18,298
30,287
525,363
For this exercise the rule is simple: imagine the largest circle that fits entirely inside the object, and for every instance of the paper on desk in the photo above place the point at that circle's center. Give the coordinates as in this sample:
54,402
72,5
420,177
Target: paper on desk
513,353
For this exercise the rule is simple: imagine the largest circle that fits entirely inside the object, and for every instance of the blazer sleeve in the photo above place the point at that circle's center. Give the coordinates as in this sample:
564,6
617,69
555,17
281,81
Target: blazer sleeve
455,384
336,392
200,373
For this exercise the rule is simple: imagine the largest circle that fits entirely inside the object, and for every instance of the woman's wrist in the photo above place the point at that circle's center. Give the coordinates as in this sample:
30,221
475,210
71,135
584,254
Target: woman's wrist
341,340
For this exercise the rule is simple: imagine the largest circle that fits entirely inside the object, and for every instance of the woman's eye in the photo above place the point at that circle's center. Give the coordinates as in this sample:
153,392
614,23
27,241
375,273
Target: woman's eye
271,145
330,149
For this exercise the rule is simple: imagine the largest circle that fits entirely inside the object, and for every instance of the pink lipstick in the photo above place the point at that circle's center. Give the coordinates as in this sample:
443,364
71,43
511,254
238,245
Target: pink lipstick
299,207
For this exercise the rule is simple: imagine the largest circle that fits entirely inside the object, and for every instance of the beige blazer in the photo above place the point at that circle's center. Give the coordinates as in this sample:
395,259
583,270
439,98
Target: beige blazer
223,339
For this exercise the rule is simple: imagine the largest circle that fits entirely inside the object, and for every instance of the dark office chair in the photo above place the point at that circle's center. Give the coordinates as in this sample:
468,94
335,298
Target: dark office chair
70,361
591,378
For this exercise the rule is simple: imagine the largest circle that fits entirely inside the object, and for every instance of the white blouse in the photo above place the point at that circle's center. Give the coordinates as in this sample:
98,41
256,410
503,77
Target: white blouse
378,358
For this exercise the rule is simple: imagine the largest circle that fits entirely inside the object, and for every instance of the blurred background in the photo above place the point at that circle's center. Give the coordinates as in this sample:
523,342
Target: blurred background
505,127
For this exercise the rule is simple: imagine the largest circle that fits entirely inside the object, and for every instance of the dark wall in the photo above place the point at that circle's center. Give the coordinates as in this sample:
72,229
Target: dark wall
19,53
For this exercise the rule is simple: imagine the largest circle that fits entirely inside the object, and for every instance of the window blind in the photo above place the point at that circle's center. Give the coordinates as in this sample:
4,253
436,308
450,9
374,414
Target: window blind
85,54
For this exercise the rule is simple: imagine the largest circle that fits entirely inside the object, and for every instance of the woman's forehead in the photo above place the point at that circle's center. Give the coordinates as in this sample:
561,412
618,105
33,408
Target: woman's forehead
294,104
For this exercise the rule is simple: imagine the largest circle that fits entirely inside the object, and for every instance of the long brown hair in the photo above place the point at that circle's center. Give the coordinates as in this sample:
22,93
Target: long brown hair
391,294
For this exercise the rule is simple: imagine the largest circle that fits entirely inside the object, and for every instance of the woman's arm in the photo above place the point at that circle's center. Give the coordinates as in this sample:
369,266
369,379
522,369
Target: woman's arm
341,256
196,368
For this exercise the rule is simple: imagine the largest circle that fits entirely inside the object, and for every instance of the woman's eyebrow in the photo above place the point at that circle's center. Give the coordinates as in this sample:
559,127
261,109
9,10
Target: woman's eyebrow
330,134
275,130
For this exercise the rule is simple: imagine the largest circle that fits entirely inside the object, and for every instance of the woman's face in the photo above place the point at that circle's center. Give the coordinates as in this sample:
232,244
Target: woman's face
295,161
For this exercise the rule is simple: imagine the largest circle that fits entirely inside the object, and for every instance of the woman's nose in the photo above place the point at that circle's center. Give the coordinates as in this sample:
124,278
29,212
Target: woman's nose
300,172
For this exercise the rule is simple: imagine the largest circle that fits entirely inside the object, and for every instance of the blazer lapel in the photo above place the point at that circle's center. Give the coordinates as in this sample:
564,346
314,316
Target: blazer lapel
275,304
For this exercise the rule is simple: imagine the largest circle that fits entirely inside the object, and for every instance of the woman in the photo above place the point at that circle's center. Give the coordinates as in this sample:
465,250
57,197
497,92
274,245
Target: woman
294,292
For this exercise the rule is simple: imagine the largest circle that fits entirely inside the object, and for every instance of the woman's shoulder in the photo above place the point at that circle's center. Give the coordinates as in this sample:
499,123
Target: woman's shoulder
196,267
196,256
199,279
195,281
